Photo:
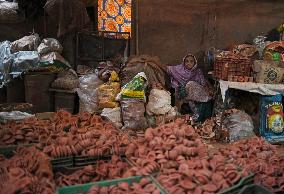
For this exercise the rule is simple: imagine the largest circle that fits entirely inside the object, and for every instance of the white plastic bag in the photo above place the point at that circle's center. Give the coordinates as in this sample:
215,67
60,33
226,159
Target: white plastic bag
240,126
6,59
27,43
87,92
49,45
24,61
114,115
159,102
14,116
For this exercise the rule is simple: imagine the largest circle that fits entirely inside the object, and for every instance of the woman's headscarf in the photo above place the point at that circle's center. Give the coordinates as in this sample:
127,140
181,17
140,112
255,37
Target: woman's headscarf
181,75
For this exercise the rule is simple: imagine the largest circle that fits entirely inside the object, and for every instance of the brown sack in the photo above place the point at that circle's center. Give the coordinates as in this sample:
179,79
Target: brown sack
268,72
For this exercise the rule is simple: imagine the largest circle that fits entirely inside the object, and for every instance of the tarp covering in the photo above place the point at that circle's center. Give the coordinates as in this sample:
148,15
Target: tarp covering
263,89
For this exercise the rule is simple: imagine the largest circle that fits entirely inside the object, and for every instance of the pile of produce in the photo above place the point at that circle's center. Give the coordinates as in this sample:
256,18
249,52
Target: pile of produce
143,186
103,170
28,171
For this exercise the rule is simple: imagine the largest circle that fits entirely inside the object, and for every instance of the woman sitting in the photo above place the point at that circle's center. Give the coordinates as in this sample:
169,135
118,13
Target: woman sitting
189,83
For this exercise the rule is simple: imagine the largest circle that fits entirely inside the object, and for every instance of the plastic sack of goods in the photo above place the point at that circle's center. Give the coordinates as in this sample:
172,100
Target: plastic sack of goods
133,112
88,92
27,43
135,89
108,91
66,80
271,119
48,45
114,115
268,72
239,125
159,102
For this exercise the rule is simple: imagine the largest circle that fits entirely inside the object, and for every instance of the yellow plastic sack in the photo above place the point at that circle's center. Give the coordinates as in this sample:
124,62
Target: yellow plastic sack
108,92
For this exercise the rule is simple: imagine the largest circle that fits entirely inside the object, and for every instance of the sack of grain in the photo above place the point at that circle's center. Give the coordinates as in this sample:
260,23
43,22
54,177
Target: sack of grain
268,72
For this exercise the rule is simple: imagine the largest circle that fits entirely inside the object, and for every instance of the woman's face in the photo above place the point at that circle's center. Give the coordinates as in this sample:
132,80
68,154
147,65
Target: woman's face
189,62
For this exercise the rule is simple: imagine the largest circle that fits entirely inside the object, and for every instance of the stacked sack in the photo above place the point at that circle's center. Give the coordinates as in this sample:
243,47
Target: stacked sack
159,109
132,99
108,91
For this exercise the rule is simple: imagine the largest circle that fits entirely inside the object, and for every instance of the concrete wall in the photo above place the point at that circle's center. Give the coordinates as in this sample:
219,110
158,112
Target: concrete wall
172,28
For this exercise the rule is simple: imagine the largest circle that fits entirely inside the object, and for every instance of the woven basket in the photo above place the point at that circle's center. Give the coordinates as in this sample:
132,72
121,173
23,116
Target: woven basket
229,66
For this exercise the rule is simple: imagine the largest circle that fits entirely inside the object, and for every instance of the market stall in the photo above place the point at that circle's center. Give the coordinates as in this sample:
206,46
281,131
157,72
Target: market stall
115,123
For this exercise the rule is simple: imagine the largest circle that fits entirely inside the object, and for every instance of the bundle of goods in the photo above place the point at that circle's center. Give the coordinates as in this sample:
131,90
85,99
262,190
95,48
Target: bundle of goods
133,114
103,170
159,110
143,186
159,102
257,156
269,72
114,115
67,80
88,92
152,67
28,171
106,68
48,45
27,43
274,51
239,125
271,118
108,91
132,97
228,65
245,50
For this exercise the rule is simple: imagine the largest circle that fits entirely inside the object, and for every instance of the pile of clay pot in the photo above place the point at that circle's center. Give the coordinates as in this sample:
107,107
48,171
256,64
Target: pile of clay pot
257,156
184,165
179,155
143,186
28,171
67,135
102,170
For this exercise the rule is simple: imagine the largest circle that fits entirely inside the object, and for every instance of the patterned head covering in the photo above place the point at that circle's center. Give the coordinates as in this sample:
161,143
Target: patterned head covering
181,75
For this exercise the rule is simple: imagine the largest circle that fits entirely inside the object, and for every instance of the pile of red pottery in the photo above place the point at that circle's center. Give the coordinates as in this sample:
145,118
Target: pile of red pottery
201,175
165,147
143,186
257,156
28,171
103,170
67,135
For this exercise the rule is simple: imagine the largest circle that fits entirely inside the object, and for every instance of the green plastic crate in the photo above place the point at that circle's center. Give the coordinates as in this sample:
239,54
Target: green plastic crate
87,160
62,162
83,189
8,151
236,188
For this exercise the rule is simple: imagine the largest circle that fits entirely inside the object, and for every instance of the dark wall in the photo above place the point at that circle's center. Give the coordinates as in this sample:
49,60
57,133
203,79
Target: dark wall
172,28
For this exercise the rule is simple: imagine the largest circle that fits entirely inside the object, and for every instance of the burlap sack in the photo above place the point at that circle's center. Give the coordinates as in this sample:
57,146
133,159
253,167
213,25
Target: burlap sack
151,66
268,72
